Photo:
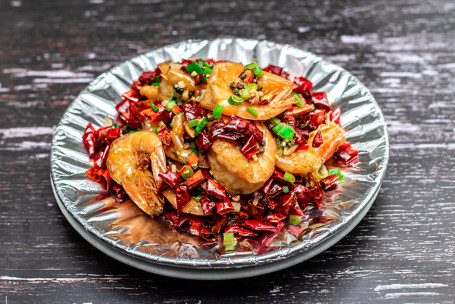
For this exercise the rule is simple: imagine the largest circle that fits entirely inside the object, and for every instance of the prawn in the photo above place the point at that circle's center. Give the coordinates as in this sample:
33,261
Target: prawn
128,161
218,91
231,168
305,161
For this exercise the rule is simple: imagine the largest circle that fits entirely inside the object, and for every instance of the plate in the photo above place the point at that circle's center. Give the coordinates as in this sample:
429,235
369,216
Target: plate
114,228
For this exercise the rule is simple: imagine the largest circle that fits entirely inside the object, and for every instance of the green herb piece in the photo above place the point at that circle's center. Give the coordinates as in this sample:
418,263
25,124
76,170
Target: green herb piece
275,121
250,66
278,127
198,198
252,111
115,125
193,123
218,111
289,177
294,219
170,105
251,86
186,174
201,125
257,71
194,67
298,102
229,241
235,100
337,172
245,94
285,189
286,132
155,84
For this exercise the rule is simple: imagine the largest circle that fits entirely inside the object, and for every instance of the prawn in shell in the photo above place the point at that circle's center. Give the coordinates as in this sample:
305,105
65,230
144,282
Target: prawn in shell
128,162
218,92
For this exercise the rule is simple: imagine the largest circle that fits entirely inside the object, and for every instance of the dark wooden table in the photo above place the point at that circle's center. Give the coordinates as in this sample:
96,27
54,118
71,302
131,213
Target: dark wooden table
404,51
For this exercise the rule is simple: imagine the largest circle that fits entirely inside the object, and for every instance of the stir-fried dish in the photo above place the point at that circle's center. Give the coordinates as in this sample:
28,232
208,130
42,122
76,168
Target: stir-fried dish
226,152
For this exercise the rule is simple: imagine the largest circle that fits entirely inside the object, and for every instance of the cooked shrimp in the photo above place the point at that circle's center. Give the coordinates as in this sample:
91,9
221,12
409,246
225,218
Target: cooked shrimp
177,149
192,207
218,92
305,161
230,167
128,161
172,73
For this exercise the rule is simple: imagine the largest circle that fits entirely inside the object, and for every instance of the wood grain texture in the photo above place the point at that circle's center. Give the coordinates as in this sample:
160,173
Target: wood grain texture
403,51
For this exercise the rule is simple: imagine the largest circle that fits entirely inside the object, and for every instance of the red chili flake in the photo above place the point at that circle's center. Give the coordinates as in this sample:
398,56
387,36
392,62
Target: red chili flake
335,115
278,176
202,142
119,191
266,239
207,204
266,188
316,191
317,140
183,197
216,190
171,178
89,140
304,87
257,225
101,176
287,201
200,79
240,215
275,190
132,95
250,148
239,230
224,206
101,157
196,179
196,226
175,219
320,101
254,211
244,126
301,136
330,182
347,154
249,78
219,221
303,147
316,119
295,209
165,136
273,69
303,194
274,218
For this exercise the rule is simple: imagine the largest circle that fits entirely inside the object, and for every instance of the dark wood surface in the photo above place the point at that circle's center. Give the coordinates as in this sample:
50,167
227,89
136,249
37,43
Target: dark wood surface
403,51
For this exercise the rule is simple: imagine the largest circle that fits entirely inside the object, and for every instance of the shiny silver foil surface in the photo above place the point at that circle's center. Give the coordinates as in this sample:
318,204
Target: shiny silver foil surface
128,230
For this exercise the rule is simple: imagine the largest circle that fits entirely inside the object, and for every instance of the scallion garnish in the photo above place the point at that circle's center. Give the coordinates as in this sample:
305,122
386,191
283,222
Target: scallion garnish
187,172
252,111
218,111
294,219
235,100
337,172
170,105
285,189
193,123
201,125
229,241
289,177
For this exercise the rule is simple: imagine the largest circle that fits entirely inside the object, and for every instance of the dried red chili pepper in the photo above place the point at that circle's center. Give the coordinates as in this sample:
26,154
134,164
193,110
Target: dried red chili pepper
274,218
250,148
207,204
225,206
335,115
183,197
216,190
239,230
175,219
330,182
244,126
89,140
347,154
171,178
196,179
202,142
132,95
257,225
320,101
119,191
304,87
317,140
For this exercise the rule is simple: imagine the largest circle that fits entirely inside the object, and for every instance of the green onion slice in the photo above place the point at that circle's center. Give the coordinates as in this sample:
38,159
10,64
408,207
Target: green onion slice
201,125
193,123
252,111
294,219
170,105
337,172
235,100
218,111
289,177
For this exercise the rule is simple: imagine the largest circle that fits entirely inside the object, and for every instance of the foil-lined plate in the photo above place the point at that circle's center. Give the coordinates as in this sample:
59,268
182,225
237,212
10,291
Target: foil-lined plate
124,232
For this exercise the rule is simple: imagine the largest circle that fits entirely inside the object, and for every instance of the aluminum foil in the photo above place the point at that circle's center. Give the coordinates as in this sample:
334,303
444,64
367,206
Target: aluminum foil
127,229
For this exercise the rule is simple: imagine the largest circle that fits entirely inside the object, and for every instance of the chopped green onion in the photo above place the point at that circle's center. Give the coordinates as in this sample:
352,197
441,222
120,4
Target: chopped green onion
337,172
285,189
294,219
201,125
206,64
156,79
170,105
207,71
251,86
115,125
278,127
186,174
201,63
194,67
193,123
257,71
235,100
154,108
156,131
296,94
298,102
289,177
218,111
155,84
286,132
251,66
229,241
275,121
252,111
198,198
245,94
